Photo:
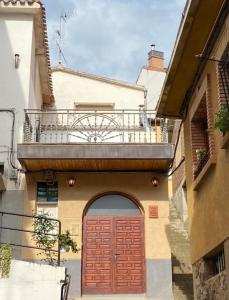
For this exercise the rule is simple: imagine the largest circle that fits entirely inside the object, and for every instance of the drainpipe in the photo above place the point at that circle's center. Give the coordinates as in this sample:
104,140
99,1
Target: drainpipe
11,156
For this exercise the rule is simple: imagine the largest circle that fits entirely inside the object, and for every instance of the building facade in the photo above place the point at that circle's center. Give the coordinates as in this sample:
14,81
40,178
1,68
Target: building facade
152,77
98,133
196,90
115,212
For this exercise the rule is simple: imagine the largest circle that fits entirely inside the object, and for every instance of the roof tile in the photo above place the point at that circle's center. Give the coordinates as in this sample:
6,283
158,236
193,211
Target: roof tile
22,2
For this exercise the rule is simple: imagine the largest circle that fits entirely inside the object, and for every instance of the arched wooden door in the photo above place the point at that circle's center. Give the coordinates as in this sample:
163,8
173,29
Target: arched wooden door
113,247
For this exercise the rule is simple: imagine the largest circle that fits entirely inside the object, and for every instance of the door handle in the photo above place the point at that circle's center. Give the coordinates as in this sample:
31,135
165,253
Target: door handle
116,254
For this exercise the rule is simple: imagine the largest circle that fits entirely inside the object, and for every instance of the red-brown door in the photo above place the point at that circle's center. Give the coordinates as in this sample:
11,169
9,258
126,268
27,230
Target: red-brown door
113,255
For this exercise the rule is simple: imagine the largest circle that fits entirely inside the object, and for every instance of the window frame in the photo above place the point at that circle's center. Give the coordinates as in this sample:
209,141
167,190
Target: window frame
48,197
203,91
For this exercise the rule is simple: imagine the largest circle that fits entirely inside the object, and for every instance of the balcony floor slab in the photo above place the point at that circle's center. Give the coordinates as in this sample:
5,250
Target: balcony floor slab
95,157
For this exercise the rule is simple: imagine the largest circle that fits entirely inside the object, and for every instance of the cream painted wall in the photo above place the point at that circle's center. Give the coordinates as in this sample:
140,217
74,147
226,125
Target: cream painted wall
70,88
72,202
208,205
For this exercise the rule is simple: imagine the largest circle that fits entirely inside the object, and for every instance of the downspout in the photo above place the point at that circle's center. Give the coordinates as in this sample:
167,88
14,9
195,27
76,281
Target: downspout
11,156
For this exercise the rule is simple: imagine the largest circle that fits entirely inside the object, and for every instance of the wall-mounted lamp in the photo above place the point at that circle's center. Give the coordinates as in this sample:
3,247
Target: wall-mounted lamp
155,181
202,56
223,63
145,93
71,181
16,60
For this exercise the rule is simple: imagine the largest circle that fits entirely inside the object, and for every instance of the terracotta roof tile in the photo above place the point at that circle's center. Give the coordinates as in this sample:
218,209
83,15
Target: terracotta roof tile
45,42
22,2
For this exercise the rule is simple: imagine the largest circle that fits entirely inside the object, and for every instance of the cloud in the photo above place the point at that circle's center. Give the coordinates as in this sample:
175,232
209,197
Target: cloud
112,37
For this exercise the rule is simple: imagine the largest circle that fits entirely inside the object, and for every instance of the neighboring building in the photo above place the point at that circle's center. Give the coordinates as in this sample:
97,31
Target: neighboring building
195,89
24,83
83,91
180,243
179,195
152,78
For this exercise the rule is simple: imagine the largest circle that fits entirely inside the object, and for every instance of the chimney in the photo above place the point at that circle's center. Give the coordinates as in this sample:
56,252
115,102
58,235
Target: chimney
155,60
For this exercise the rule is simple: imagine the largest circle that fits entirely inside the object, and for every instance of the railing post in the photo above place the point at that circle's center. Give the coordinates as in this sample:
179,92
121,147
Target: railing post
123,127
59,233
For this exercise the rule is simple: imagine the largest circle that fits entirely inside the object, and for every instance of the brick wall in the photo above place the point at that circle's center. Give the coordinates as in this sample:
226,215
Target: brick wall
210,118
202,125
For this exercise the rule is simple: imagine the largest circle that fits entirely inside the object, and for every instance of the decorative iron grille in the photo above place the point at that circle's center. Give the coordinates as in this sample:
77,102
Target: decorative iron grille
72,126
224,74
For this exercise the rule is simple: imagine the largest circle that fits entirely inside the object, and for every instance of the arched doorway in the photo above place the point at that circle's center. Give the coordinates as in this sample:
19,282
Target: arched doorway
113,246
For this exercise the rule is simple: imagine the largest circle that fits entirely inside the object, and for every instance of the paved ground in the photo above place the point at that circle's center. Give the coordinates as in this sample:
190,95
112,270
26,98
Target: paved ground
113,297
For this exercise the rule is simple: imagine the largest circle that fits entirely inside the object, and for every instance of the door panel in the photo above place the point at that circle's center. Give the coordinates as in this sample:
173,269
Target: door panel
97,255
113,255
129,256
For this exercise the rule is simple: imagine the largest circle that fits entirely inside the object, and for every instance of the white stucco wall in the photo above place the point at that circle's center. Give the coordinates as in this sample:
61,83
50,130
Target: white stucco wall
20,89
153,82
32,281
71,88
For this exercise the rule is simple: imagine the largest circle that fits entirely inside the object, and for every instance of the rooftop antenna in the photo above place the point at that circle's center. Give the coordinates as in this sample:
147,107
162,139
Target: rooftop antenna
60,32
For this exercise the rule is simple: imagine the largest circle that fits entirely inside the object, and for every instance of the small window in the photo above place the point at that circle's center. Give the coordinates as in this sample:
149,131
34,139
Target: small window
200,137
94,106
47,192
216,263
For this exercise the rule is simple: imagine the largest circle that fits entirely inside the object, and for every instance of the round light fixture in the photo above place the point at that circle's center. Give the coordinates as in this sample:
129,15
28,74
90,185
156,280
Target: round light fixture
155,181
71,181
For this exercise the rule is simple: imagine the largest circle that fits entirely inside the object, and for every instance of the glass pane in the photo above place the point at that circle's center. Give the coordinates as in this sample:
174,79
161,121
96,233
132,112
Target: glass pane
47,192
115,205
41,191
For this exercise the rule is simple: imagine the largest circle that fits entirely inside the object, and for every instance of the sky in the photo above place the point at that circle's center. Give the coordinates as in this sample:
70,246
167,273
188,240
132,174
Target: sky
111,38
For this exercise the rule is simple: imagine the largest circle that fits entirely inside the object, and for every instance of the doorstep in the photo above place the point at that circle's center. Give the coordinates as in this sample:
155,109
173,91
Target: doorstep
112,297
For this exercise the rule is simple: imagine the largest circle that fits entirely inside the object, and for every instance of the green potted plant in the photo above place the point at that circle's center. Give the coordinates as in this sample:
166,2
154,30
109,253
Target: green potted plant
222,119
200,154
67,243
45,238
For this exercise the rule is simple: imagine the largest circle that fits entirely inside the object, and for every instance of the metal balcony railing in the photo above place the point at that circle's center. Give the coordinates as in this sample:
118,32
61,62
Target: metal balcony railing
72,126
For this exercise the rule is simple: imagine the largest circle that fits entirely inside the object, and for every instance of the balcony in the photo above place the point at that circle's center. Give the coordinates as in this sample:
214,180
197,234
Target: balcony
98,140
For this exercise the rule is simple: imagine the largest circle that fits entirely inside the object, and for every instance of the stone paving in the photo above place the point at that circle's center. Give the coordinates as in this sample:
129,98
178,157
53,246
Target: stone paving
112,297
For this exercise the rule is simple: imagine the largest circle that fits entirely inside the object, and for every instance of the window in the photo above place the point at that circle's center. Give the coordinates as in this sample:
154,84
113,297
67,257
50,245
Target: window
113,205
216,263
200,137
47,192
94,106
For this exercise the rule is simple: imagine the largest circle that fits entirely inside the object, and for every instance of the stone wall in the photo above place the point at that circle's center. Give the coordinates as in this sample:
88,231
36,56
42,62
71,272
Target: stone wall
208,287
